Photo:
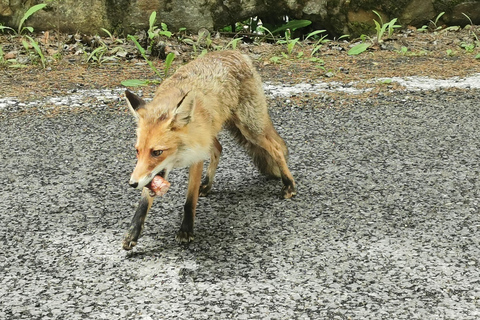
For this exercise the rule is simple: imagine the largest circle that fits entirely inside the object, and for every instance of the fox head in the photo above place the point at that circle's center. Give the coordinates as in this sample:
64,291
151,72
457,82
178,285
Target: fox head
160,126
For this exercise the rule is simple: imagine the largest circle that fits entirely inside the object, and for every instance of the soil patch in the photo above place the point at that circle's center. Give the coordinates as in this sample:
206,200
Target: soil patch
442,54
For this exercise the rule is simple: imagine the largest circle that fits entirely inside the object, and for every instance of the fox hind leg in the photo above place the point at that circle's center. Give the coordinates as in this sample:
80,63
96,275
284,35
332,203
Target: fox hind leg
212,168
269,152
274,145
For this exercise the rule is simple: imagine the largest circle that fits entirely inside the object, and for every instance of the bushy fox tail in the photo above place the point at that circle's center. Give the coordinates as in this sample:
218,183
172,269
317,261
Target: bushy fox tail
261,157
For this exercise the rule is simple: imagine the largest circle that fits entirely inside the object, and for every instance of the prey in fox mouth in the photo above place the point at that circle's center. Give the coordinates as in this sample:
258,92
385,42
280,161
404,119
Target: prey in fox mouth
158,186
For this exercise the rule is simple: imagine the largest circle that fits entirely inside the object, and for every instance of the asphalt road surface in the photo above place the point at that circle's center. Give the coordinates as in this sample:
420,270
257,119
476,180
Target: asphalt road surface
385,224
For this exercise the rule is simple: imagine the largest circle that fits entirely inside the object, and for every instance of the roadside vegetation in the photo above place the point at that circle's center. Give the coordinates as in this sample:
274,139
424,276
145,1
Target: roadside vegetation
161,49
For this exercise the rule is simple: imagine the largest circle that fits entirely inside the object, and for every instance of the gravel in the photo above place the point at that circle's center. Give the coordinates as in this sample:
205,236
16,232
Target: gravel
385,224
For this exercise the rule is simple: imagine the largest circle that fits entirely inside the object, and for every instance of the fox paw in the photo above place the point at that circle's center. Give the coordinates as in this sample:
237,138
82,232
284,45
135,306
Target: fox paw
131,238
128,244
204,190
184,236
289,192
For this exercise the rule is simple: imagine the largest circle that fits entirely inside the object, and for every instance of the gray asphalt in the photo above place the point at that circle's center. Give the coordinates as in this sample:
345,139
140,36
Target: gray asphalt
385,224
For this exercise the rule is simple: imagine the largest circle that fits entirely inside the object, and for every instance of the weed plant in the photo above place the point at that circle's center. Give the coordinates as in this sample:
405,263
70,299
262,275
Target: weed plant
289,41
37,49
153,33
381,29
21,29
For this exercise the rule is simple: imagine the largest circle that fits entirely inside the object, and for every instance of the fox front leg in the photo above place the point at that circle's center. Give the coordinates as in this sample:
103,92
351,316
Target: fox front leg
138,220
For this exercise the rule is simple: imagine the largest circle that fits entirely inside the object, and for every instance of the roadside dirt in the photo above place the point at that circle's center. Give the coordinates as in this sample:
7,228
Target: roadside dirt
442,54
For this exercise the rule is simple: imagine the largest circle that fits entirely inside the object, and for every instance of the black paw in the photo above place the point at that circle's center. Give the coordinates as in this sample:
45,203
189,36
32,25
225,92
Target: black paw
128,243
289,191
184,236
131,238
204,190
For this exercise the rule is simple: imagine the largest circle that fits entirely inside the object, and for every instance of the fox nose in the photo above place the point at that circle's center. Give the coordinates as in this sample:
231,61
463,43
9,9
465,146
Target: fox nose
133,184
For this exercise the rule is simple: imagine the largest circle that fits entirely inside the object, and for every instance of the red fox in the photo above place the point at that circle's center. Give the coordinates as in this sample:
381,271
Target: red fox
179,128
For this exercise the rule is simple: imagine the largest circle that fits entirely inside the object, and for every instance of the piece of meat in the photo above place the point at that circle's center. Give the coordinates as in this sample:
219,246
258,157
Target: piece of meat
158,186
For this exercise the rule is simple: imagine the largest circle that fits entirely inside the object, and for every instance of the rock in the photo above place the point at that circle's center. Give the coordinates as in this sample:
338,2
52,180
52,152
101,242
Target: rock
337,17
362,21
457,17
5,9
418,13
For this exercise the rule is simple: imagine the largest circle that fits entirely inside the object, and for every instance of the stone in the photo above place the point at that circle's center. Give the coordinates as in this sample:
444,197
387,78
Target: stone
5,9
128,17
457,17
418,13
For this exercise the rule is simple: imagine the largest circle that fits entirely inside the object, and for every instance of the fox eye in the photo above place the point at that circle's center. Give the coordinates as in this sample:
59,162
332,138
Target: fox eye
137,152
156,153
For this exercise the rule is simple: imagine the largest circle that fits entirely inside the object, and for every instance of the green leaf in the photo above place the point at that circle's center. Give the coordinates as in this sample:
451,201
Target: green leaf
438,17
377,26
291,44
359,48
317,60
378,15
2,28
150,63
38,50
471,22
275,59
233,43
293,25
477,56
17,66
168,62
139,47
152,29
107,32
152,19
142,52
29,12
452,28
26,45
135,83
167,34
93,54
315,49
28,28
314,33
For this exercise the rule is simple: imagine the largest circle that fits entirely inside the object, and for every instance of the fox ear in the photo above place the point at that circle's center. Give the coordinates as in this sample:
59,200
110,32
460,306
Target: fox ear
134,103
183,113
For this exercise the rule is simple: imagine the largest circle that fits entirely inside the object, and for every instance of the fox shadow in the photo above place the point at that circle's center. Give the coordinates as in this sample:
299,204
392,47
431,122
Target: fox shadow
227,209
